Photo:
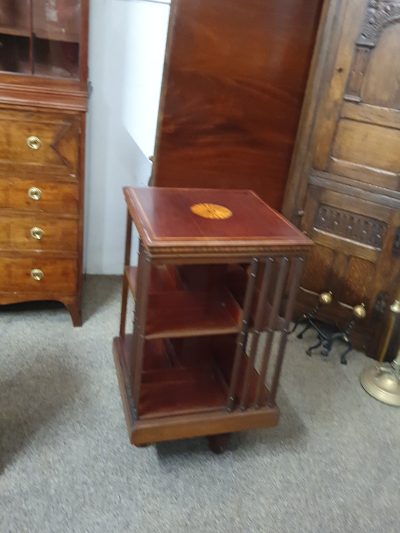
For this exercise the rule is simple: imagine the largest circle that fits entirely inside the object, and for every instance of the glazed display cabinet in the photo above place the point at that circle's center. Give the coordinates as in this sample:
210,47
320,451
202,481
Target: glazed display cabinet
43,101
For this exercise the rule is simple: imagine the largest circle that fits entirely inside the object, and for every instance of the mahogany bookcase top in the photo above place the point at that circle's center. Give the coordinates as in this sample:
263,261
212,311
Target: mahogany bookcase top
210,222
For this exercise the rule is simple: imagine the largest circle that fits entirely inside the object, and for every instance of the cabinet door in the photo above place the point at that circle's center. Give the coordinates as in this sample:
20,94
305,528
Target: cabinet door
56,37
354,256
358,123
15,16
44,38
14,35
348,197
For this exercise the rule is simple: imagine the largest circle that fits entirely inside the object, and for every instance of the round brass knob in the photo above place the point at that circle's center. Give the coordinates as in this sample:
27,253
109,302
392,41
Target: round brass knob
37,274
33,142
37,233
34,193
325,298
359,311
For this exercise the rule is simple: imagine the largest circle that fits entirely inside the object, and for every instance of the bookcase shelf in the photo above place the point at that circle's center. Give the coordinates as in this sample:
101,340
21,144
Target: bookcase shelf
186,313
15,31
40,34
163,278
194,365
174,311
195,381
169,389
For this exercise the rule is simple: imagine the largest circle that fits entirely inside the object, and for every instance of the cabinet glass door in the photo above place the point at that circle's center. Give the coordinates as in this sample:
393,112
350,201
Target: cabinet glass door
56,37
15,30
40,37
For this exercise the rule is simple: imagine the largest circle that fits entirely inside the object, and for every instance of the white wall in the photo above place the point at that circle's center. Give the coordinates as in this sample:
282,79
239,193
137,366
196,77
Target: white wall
126,55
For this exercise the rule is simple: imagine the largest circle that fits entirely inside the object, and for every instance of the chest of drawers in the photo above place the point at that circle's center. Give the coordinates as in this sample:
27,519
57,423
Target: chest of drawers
41,207
43,100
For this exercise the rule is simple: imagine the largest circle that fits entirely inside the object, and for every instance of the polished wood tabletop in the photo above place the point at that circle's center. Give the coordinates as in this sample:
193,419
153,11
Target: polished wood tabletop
204,218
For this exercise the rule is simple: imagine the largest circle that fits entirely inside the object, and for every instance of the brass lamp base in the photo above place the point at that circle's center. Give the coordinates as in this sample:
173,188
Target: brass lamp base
383,382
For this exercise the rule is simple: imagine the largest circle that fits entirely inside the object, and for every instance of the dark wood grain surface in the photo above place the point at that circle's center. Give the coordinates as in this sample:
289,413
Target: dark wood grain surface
163,216
233,88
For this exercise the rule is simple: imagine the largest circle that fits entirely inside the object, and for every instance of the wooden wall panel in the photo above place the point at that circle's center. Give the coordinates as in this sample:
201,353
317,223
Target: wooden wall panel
358,280
362,144
381,84
319,261
233,88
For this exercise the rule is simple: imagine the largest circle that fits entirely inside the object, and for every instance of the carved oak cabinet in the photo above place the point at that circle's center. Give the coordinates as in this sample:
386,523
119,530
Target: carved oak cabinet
43,95
344,186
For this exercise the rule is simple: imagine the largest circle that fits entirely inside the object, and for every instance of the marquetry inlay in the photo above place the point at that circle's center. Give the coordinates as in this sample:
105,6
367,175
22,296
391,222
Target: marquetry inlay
359,228
211,211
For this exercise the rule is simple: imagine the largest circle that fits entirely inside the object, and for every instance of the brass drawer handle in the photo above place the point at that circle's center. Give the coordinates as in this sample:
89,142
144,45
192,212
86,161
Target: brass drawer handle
37,274
34,142
34,193
37,233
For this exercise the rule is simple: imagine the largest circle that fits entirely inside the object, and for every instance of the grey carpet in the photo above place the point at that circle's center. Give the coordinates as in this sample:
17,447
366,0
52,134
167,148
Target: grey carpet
332,465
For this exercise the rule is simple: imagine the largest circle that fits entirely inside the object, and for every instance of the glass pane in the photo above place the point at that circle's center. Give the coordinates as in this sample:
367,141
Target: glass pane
14,35
56,37
14,54
15,17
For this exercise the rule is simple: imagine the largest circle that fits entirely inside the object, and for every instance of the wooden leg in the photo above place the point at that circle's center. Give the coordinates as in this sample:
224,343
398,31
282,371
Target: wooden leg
218,443
127,261
74,309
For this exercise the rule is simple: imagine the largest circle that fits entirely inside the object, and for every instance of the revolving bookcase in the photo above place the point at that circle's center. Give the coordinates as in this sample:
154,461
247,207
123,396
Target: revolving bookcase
217,276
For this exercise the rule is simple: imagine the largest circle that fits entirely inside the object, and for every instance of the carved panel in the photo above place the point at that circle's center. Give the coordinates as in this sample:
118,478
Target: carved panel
380,13
381,85
358,228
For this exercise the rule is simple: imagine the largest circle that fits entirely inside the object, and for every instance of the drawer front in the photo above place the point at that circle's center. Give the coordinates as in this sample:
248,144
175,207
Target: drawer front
38,275
39,195
32,139
38,232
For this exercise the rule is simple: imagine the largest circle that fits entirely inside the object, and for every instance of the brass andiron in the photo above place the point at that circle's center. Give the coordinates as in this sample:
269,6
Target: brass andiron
325,298
327,336
382,381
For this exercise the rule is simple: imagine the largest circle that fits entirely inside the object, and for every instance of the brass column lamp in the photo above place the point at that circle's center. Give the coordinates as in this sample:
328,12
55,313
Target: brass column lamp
382,381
